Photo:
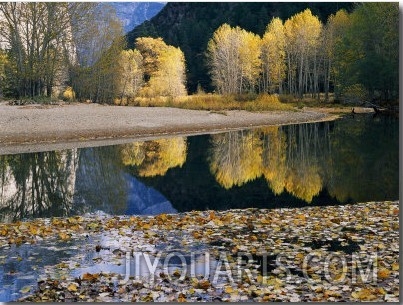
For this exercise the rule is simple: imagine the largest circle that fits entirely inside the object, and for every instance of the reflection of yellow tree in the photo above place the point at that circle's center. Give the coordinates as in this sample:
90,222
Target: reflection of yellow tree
288,158
274,158
291,162
133,153
303,182
154,158
302,178
235,157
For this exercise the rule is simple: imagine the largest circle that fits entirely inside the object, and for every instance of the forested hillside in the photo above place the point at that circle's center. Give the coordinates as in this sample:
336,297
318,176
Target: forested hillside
190,25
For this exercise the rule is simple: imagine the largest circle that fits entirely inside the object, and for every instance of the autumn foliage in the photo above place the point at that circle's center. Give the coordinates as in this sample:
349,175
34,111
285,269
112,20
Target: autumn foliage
303,56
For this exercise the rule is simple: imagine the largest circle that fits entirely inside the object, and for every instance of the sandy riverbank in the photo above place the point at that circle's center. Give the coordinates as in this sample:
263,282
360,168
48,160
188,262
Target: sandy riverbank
33,128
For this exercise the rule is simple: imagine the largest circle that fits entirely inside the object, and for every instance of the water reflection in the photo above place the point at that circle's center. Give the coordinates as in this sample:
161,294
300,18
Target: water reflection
103,185
349,160
345,161
40,184
235,157
288,158
154,158
364,164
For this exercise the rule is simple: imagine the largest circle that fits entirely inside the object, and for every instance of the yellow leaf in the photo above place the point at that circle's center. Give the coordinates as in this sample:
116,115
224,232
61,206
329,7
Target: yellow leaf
72,287
3,232
331,293
33,230
196,235
265,221
229,289
177,273
383,273
364,295
301,217
90,277
267,298
203,284
146,226
218,222
25,289
395,266
181,298
64,236
162,217
62,265
71,220
253,238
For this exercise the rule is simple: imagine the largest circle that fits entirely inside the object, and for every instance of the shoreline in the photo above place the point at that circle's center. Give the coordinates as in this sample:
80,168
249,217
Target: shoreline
36,128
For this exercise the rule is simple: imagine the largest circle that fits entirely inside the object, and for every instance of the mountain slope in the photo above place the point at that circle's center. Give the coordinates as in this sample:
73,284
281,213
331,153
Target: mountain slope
134,13
190,25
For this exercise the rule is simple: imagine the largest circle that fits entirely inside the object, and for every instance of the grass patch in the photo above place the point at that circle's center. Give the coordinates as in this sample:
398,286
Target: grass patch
308,101
213,102
218,103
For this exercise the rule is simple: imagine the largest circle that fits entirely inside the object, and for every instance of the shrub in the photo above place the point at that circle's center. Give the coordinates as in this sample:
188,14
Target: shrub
354,94
69,94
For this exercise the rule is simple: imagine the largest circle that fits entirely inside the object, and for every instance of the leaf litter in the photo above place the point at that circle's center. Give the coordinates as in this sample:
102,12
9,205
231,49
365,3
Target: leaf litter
308,254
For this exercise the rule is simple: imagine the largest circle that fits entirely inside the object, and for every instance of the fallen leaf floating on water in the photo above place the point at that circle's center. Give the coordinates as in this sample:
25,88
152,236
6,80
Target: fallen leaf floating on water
365,295
395,266
72,287
90,277
64,236
383,273
202,284
295,234
181,298
25,289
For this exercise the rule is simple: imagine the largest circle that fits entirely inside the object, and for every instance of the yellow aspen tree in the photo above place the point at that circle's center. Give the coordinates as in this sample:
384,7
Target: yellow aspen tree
302,33
131,73
250,62
273,57
164,68
223,60
234,60
170,77
150,48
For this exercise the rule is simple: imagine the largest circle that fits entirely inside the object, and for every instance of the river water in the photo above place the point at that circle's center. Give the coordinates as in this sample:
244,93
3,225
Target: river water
350,160
344,161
